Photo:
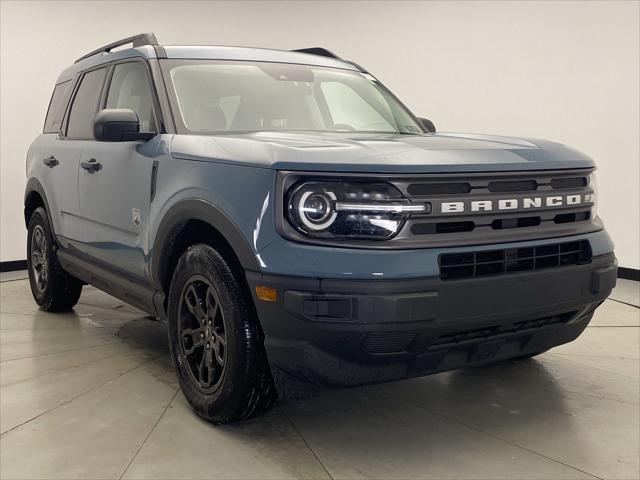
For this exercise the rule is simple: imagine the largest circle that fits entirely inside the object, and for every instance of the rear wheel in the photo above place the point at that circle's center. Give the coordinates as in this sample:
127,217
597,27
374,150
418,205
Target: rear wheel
215,341
53,289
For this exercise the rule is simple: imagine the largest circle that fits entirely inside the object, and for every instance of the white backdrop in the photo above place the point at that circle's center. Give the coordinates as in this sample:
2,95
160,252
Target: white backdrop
565,71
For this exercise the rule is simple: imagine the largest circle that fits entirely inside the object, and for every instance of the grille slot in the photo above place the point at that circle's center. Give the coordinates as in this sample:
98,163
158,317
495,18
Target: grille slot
423,189
568,183
572,217
513,186
521,222
495,262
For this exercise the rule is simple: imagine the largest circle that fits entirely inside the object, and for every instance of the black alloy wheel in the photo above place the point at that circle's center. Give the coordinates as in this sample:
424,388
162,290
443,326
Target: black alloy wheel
53,289
39,266
202,333
215,339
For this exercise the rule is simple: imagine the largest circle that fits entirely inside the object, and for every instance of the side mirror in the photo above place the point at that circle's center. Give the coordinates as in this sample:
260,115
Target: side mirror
428,125
118,125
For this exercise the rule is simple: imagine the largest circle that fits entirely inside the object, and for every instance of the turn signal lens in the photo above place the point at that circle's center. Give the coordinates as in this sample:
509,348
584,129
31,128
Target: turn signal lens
267,294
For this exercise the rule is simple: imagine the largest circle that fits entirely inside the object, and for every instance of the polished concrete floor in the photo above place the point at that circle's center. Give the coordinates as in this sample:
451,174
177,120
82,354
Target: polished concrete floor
91,394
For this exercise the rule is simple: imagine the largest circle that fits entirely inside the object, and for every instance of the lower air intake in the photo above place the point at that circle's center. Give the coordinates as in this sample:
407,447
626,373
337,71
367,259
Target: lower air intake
497,262
388,342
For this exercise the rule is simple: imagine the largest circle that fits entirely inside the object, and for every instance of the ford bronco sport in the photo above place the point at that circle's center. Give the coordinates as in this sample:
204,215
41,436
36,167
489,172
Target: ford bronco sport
297,226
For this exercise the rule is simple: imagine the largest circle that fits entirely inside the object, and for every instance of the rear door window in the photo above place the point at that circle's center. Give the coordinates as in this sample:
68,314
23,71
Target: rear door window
85,105
57,106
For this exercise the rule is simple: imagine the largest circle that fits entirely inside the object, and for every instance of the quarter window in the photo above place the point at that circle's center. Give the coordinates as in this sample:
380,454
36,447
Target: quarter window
85,105
130,88
57,106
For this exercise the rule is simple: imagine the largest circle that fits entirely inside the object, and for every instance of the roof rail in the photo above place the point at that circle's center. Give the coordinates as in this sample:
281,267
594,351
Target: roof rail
137,41
323,52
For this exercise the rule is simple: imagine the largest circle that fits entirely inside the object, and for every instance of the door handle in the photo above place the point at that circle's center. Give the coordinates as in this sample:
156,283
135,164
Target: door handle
50,161
91,166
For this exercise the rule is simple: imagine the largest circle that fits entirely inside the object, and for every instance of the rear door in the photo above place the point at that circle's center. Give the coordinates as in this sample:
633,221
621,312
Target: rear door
56,166
75,132
115,195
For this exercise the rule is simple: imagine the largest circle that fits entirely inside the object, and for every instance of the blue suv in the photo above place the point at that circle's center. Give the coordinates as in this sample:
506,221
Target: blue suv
296,226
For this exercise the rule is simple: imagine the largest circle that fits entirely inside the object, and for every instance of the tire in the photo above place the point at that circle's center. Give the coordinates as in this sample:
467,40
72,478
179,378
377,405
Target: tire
215,340
53,289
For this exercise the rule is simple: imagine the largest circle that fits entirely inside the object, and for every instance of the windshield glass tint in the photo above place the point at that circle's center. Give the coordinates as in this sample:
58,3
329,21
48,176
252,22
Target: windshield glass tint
239,97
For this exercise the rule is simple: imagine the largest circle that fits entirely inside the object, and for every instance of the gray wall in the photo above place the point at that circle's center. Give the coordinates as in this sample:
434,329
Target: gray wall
566,71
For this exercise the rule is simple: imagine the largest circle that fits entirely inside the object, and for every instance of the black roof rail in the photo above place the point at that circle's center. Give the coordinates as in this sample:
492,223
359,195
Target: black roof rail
323,52
137,41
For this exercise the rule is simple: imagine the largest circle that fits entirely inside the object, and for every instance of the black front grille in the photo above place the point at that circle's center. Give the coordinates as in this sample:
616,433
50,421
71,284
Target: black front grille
502,223
496,262
484,208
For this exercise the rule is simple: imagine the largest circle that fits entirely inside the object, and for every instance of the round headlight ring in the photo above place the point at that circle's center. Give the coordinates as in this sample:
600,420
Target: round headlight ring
315,209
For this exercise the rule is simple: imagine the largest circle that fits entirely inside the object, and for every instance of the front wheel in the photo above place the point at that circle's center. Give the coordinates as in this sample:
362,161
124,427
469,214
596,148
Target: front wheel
215,340
53,289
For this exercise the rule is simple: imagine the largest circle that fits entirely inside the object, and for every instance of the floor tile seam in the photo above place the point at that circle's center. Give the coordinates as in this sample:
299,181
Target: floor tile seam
62,351
308,445
88,362
144,442
92,389
489,434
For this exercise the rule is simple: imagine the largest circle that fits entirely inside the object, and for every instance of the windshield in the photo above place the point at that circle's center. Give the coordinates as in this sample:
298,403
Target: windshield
224,96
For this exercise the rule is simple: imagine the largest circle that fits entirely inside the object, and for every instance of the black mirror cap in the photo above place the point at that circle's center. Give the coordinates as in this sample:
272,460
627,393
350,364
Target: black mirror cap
118,125
428,125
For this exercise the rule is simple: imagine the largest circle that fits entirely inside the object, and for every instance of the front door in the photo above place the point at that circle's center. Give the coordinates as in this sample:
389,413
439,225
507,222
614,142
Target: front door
114,180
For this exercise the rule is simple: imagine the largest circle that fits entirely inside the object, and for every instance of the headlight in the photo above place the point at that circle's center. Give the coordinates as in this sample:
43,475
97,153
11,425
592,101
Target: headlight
348,210
593,183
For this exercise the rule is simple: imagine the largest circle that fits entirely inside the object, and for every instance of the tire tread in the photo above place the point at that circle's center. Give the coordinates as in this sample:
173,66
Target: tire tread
254,391
63,290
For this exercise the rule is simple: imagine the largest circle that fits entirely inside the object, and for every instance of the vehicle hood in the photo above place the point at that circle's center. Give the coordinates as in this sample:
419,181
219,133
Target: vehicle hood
379,153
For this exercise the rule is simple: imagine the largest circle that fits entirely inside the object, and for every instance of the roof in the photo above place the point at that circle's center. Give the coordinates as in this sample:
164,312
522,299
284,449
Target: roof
252,54
146,46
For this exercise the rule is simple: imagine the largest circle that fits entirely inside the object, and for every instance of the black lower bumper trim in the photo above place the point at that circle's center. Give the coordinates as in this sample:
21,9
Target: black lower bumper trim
345,332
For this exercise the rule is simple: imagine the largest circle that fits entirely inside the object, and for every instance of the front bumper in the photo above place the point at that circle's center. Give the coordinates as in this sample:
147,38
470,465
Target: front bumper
348,332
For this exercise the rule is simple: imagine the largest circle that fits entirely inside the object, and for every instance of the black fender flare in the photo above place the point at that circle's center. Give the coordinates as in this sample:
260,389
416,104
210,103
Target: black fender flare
196,209
34,186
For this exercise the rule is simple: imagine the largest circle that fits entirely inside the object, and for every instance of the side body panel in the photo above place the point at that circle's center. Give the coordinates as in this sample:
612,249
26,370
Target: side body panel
237,200
59,181
114,204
